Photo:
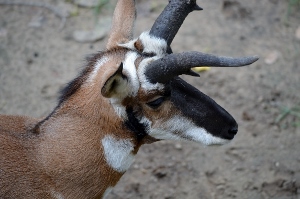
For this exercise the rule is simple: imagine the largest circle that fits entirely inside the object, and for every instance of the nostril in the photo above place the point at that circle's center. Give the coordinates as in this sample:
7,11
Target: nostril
233,131
229,135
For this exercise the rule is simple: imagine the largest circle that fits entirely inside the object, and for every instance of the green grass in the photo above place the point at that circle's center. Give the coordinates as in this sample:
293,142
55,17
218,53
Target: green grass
293,6
289,117
99,6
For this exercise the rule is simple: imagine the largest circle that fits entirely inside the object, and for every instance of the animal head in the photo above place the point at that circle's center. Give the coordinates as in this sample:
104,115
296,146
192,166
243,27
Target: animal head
139,78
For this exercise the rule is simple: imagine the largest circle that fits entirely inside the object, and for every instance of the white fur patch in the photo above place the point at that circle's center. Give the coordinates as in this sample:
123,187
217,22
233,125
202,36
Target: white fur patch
201,135
118,107
129,45
150,43
153,44
118,153
163,133
107,191
130,71
145,84
180,128
129,87
98,65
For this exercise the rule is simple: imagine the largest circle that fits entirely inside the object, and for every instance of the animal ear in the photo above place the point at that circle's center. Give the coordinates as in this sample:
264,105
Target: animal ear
116,86
123,22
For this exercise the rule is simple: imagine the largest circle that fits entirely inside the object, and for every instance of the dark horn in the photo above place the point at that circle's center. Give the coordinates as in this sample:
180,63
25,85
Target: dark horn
164,69
170,20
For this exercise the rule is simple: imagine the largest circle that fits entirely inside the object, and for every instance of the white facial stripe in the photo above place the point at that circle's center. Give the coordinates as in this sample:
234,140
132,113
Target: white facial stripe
160,133
119,108
130,71
129,89
150,43
98,65
153,44
118,153
186,130
145,84
201,135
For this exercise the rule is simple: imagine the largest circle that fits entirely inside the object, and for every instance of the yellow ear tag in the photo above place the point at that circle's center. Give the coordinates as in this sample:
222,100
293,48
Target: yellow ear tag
201,69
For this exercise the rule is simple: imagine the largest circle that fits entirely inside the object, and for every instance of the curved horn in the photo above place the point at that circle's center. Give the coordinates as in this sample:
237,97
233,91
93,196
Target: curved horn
164,69
169,21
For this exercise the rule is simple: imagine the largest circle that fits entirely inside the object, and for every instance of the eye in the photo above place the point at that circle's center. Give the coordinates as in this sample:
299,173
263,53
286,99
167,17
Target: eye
156,103
151,54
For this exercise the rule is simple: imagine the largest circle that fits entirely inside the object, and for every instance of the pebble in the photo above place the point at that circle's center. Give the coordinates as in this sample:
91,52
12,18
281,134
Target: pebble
298,131
37,21
272,57
297,34
136,166
96,34
3,32
178,146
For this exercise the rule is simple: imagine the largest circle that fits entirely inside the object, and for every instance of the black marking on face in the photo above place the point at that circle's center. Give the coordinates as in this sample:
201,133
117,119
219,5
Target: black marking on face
134,125
148,54
202,110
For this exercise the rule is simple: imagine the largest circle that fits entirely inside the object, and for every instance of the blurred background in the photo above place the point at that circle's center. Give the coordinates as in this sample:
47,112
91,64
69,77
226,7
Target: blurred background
43,45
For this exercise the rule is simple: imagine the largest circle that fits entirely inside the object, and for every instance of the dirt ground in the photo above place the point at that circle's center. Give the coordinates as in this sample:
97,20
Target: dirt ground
263,161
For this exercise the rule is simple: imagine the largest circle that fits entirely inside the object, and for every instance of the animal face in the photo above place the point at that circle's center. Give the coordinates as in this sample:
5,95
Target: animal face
170,110
139,79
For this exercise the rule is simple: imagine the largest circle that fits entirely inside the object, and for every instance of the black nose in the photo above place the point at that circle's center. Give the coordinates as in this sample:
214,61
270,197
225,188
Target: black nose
231,133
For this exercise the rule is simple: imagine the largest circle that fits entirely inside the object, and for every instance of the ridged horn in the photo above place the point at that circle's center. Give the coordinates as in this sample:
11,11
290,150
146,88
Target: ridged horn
170,20
166,68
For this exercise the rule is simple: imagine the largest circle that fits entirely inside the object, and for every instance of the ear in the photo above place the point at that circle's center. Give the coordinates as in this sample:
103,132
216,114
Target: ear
116,86
123,22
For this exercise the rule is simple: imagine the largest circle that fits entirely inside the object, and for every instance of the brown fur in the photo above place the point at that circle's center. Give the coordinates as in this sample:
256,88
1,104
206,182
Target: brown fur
67,155
63,153
139,46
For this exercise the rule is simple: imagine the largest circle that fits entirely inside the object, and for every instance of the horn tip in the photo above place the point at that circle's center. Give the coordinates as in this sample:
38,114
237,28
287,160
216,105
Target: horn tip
254,58
248,60
198,8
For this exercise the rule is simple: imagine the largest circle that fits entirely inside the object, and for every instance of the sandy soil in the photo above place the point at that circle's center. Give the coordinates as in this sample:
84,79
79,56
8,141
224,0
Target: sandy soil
262,162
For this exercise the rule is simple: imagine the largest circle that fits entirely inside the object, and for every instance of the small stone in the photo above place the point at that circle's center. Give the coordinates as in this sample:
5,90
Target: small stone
246,116
297,34
178,146
272,57
136,166
96,34
3,32
37,21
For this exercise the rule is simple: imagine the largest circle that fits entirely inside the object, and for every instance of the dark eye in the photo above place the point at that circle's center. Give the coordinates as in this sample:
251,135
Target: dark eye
156,103
151,54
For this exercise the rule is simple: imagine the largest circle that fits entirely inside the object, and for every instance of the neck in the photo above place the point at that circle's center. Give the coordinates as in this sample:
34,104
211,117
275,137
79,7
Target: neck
93,148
